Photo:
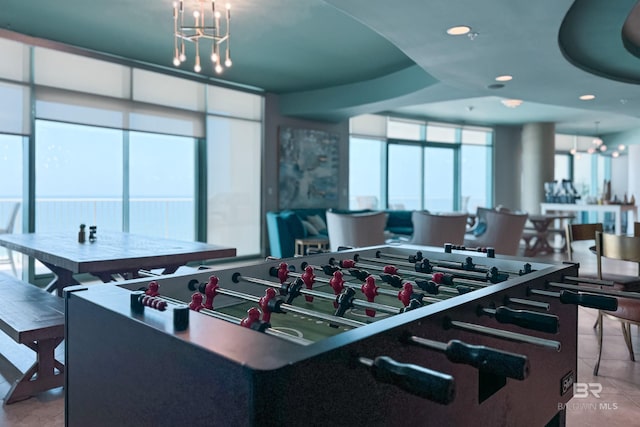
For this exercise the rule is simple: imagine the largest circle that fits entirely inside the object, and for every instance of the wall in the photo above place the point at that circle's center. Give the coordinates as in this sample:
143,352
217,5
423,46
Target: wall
620,177
634,172
273,121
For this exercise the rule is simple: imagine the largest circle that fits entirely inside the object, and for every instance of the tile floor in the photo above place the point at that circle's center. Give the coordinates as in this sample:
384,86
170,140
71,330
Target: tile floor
617,404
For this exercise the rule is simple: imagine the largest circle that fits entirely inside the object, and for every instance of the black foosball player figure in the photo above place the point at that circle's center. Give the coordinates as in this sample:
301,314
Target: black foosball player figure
92,233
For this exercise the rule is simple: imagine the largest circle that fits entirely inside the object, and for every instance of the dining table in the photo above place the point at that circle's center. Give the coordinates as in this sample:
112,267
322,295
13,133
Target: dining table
108,255
537,237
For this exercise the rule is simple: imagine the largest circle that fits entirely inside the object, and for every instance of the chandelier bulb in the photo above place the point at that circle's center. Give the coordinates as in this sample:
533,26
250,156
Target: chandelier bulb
217,32
603,147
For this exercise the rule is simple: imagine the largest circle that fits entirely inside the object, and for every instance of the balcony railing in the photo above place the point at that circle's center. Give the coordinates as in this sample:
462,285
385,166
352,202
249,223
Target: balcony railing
163,217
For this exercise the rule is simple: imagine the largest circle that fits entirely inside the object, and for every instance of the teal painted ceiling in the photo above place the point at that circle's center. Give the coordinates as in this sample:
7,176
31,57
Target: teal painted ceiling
333,59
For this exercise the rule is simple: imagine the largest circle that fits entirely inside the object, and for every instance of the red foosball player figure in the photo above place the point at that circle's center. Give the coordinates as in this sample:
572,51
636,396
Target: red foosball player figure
308,278
337,283
196,302
210,291
370,291
152,291
269,294
270,303
253,315
283,272
252,321
390,269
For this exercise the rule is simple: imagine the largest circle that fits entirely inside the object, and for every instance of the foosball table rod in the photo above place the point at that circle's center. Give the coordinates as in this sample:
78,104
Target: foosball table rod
278,305
388,271
499,333
337,283
238,321
417,269
609,292
344,300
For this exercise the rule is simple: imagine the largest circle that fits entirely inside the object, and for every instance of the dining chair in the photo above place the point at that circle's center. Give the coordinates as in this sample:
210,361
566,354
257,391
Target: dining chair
500,229
623,248
431,229
355,230
580,233
8,229
585,233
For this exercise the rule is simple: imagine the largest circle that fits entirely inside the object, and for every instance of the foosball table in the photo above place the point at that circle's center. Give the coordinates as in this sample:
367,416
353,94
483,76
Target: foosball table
386,335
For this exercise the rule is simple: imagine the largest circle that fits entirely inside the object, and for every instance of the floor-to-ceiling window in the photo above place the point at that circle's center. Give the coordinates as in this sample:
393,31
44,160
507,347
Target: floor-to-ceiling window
404,178
233,183
78,171
409,164
476,168
162,173
11,147
365,165
439,179
126,149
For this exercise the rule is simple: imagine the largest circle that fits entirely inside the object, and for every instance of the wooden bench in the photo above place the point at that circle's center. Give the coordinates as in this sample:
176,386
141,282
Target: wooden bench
35,318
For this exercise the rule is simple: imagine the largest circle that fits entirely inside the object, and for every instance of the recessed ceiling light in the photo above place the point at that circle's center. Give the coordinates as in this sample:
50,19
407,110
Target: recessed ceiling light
495,86
587,97
504,78
459,30
511,103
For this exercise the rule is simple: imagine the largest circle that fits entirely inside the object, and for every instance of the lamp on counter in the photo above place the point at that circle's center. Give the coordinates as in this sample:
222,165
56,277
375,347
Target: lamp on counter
202,28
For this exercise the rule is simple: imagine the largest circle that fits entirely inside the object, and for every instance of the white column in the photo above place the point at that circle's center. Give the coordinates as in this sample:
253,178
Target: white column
538,149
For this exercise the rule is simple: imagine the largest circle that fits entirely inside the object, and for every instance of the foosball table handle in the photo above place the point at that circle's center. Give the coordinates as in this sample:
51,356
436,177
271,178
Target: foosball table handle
600,302
497,362
486,359
414,379
542,322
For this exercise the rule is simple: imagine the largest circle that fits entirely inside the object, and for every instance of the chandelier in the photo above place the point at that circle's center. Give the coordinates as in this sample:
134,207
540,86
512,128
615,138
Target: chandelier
202,28
597,147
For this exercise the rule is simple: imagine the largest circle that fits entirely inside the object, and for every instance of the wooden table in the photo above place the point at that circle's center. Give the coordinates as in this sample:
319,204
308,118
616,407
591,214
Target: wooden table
110,254
320,243
540,233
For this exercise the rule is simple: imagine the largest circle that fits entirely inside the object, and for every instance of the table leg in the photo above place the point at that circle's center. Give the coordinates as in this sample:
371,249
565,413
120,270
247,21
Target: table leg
62,279
46,373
